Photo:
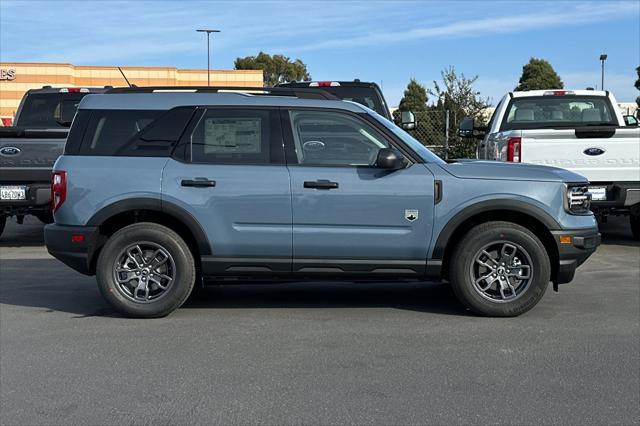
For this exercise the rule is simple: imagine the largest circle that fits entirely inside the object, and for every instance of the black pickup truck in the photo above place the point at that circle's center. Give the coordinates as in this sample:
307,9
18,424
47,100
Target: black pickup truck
362,92
30,147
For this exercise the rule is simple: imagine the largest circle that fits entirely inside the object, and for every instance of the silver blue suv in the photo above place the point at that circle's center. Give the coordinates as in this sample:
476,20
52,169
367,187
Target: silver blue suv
159,190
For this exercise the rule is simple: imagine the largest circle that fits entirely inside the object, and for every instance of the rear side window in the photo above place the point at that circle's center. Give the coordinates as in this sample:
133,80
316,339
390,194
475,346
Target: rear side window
557,112
108,131
236,136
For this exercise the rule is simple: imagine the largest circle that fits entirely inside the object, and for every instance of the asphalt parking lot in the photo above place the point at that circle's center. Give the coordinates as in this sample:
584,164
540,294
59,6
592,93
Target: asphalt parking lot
318,353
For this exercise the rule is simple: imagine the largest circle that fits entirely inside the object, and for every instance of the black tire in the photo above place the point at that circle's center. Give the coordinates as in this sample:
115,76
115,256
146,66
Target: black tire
634,221
464,258
184,272
3,223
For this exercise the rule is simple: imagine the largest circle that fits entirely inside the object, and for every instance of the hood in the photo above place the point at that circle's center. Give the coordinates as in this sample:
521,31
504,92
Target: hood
496,170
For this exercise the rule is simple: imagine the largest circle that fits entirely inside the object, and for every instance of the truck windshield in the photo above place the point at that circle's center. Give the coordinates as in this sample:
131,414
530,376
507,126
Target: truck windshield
45,111
541,112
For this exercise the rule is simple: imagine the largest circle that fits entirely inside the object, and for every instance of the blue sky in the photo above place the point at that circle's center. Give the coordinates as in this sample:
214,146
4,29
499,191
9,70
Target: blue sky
384,41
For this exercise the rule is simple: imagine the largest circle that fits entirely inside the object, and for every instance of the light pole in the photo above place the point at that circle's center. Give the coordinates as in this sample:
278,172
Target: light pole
208,54
603,58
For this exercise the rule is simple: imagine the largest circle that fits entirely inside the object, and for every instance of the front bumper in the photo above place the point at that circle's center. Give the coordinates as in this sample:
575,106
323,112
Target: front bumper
75,246
574,248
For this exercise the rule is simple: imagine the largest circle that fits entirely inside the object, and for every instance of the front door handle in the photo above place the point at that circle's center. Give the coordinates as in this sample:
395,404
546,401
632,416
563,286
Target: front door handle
320,184
198,183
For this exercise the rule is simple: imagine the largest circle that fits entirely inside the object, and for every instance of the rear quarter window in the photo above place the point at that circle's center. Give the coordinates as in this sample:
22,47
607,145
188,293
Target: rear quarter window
130,133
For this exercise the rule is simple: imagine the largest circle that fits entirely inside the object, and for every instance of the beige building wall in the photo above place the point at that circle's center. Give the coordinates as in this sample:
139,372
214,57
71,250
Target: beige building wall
28,75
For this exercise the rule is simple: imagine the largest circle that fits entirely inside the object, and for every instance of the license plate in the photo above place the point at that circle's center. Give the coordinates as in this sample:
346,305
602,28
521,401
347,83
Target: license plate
598,193
13,193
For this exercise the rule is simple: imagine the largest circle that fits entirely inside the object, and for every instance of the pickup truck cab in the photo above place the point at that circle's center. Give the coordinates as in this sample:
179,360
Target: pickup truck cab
579,130
30,147
158,190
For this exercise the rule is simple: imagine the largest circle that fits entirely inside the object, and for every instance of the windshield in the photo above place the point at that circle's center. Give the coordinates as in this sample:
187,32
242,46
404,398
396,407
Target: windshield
47,111
416,146
557,112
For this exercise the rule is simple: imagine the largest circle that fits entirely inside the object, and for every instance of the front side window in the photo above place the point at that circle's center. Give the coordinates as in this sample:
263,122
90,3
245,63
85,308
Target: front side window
232,137
328,138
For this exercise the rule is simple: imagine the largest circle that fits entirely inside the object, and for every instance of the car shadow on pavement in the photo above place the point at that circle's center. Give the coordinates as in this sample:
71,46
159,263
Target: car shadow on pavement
420,296
68,291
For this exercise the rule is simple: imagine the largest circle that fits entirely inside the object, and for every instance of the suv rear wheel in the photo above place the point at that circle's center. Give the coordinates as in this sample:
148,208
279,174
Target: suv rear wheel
145,270
500,269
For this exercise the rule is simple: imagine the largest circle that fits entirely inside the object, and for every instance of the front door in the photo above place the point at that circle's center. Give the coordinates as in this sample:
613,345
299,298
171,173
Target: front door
348,215
234,182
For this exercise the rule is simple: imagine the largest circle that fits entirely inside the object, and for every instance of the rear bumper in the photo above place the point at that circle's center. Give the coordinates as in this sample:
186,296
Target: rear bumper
38,199
621,197
73,245
582,244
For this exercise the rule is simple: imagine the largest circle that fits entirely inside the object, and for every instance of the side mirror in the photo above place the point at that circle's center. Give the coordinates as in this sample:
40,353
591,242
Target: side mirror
391,159
630,120
468,129
407,120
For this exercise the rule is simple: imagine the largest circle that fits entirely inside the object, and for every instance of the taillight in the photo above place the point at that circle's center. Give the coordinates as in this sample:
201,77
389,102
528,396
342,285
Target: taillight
58,189
514,146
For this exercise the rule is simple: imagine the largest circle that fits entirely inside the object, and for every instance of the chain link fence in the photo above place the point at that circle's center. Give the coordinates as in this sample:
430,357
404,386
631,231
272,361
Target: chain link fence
438,131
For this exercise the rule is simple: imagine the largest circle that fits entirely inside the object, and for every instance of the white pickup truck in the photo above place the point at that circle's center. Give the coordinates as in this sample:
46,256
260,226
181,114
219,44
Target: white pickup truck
579,130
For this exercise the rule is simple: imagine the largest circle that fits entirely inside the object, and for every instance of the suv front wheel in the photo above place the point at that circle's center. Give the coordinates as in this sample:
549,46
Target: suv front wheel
145,270
500,269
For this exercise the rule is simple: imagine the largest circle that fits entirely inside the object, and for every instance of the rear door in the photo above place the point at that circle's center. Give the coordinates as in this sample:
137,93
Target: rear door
348,215
230,175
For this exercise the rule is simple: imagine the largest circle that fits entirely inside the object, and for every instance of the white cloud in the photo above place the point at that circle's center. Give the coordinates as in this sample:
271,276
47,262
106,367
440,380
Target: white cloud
577,15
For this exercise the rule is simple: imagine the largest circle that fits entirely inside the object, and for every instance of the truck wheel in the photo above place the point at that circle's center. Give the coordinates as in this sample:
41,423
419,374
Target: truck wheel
3,222
145,270
499,269
634,220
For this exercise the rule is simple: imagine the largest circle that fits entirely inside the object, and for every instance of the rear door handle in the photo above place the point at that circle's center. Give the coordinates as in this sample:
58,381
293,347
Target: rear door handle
198,183
320,184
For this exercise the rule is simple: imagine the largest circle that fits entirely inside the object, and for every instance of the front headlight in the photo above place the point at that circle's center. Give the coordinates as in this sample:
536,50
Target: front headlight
577,199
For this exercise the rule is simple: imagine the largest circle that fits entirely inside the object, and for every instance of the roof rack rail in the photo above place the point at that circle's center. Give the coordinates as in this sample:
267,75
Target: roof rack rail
302,93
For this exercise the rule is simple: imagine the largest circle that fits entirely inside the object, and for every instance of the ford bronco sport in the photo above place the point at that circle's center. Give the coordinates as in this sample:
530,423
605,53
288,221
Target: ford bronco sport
158,190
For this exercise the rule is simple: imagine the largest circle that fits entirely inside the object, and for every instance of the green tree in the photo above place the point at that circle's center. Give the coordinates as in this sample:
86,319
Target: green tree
538,74
637,84
415,97
457,95
276,69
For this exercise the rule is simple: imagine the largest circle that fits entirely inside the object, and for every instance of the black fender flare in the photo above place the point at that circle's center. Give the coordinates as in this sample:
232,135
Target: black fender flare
488,205
155,204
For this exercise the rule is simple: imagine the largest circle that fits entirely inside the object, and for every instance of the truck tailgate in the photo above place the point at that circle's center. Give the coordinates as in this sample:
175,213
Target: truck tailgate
601,155
24,159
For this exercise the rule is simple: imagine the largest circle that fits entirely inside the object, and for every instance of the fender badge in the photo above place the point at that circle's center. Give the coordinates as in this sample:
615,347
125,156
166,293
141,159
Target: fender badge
411,214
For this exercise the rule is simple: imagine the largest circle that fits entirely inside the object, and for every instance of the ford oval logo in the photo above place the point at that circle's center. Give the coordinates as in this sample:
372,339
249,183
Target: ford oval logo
313,146
593,151
9,151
